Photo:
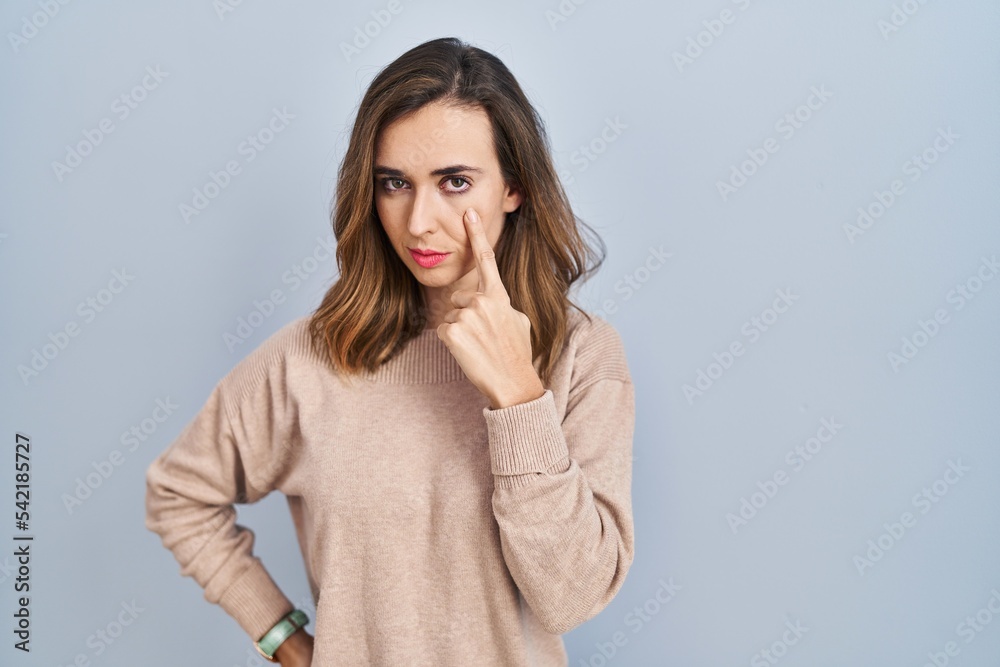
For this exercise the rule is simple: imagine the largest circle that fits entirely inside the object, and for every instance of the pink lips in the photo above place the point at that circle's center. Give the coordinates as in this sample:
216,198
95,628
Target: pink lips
427,261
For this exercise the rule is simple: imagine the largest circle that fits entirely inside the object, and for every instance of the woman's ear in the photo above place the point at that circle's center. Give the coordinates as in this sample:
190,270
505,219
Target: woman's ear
512,199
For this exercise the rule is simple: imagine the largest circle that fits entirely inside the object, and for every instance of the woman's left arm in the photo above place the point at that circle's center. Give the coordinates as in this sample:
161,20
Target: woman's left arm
562,496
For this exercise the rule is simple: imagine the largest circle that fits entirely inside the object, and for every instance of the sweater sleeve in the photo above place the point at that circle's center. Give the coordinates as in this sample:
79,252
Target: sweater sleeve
562,490
234,451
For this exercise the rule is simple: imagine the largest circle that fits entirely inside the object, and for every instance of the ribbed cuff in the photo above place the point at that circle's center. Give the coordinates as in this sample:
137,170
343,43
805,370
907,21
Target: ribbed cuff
255,601
526,437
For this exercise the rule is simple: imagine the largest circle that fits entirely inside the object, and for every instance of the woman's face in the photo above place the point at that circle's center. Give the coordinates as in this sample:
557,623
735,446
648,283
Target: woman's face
430,167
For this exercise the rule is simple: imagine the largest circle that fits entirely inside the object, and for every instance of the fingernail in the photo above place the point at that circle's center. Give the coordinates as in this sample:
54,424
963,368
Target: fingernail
472,215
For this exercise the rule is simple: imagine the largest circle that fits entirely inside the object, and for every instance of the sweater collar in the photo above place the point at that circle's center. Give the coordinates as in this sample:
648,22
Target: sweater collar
425,359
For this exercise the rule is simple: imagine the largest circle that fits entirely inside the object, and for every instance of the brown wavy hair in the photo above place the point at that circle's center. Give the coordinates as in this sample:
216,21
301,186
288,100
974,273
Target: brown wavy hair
376,305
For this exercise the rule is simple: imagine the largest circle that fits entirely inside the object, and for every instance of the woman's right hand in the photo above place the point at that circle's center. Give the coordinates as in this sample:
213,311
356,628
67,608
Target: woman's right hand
297,650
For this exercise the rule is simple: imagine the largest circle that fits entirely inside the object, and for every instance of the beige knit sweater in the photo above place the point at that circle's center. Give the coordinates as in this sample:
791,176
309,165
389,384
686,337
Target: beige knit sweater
434,530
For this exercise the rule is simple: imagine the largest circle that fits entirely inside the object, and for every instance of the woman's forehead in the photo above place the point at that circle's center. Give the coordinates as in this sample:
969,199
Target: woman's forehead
432,139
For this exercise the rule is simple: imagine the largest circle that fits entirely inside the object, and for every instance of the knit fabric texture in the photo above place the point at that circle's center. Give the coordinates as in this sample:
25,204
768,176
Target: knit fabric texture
433,529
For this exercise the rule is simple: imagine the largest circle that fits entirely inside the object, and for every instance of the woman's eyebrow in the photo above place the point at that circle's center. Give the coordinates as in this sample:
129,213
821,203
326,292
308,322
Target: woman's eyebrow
382,170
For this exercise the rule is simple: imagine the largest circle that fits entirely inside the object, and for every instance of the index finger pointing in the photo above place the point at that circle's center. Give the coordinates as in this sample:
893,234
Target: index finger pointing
489,272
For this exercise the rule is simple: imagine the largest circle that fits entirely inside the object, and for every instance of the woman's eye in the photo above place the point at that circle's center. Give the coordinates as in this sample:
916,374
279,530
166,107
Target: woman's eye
459,180
391,184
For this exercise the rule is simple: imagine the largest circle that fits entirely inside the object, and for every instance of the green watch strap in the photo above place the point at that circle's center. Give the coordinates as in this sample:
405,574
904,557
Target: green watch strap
281,631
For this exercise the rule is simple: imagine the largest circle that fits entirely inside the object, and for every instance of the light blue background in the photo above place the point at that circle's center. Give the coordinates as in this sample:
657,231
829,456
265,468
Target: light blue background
654,185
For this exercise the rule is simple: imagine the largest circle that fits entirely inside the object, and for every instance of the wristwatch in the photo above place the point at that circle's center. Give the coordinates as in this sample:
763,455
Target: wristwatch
282,630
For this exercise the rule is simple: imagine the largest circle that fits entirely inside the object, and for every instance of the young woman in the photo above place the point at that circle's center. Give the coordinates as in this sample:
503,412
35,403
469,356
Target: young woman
453,435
